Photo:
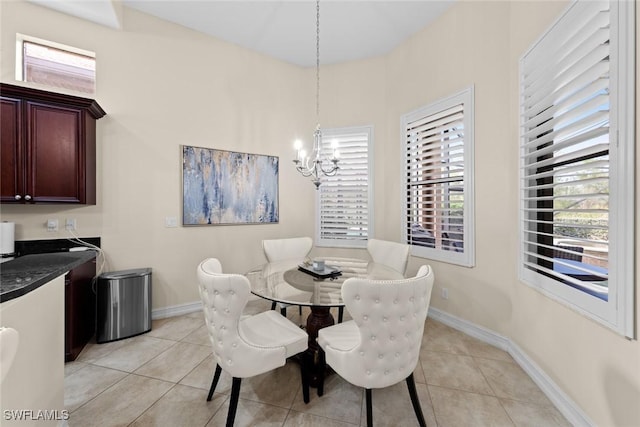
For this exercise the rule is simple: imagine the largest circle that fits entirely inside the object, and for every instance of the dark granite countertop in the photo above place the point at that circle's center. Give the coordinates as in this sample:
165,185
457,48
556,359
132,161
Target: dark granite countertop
24,274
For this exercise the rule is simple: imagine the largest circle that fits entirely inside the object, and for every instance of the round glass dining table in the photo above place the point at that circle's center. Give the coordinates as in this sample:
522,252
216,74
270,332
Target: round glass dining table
284,282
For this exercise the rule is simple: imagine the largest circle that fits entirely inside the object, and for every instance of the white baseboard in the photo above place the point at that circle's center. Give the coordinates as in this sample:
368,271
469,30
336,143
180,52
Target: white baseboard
471,329
176,310
571,411
179,310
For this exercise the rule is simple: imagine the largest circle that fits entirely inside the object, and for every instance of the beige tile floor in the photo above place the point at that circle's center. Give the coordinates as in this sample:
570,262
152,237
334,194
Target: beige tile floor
161,378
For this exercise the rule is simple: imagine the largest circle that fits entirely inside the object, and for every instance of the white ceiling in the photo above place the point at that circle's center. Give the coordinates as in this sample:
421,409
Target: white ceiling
286,30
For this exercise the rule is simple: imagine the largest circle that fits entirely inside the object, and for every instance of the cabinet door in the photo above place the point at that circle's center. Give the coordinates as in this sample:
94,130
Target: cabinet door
55,154
11,154
80,309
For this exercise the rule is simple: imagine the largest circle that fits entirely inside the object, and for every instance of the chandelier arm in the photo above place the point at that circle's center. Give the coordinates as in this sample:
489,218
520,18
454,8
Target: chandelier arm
330,171
306,172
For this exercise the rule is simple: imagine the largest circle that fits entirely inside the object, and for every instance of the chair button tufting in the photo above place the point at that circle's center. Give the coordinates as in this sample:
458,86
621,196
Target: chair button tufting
362,353
232,293
384,319
395,301
397,354
386,372
365,317
392,337
215,292
368,372
411,299
357,297
402,318
380,356
377,301
373,337
234,345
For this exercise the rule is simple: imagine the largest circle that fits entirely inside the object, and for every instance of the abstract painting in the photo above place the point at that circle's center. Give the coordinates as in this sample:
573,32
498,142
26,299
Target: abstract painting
226,187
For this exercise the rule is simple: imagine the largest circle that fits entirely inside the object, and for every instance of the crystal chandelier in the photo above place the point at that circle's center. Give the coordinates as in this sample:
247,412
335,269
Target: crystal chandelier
313,165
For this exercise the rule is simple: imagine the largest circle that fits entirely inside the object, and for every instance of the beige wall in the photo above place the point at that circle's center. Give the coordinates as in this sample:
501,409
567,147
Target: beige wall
161,86
480,43
234,99
598,369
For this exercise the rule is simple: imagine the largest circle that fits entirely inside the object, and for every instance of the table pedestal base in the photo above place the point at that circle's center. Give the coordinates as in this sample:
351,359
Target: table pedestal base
319,318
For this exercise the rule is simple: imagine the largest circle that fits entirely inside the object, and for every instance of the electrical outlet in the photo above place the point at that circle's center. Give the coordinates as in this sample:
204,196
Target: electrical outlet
170,221
444,293
52,224
70,224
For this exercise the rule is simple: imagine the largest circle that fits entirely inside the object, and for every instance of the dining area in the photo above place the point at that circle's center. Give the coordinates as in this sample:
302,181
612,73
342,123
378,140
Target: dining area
346,344
378,347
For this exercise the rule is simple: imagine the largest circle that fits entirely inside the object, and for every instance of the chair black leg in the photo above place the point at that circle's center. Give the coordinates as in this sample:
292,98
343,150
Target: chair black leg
411,385
369,407
300,310
214,383
233,404
340,314
321,370
273,305
304,374
283,311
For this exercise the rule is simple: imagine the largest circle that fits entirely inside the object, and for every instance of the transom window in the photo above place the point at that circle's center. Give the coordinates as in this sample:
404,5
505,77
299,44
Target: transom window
55,65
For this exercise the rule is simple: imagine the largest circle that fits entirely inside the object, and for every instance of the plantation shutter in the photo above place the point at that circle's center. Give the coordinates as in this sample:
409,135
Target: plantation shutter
344,199
565,148
438,198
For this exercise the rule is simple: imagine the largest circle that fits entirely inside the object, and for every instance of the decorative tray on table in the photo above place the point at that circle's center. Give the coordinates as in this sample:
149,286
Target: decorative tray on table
327,272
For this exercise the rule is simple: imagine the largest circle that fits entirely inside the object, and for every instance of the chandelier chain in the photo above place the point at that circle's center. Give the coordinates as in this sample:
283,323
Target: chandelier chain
312,166
318,61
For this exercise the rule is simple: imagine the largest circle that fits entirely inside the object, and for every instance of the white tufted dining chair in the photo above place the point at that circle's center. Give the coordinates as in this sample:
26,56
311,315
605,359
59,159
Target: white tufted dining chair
391,254
381,345
287,253
243,346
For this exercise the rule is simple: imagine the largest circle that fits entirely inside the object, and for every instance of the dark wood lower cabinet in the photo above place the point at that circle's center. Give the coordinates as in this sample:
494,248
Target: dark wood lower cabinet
80,309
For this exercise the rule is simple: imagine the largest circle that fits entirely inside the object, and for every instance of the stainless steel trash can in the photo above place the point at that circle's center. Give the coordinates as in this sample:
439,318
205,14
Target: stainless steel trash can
123,304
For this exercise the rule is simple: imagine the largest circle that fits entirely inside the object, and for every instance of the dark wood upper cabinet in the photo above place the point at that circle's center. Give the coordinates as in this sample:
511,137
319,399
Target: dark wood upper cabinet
48,152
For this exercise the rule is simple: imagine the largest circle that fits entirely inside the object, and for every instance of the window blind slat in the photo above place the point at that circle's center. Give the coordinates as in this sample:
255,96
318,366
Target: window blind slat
435,117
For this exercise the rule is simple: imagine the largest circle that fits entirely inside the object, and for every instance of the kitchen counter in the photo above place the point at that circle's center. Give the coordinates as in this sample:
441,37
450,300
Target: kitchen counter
27,273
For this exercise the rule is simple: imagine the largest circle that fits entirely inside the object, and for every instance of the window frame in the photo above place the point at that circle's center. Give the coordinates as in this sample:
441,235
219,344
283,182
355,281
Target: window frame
465,97
20,72
617,312
328,135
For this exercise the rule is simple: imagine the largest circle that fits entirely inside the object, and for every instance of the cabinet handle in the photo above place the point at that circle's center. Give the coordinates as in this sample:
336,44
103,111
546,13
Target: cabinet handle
18,197
27,197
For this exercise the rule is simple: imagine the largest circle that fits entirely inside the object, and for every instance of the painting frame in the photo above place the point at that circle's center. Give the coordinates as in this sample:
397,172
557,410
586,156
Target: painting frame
223,187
